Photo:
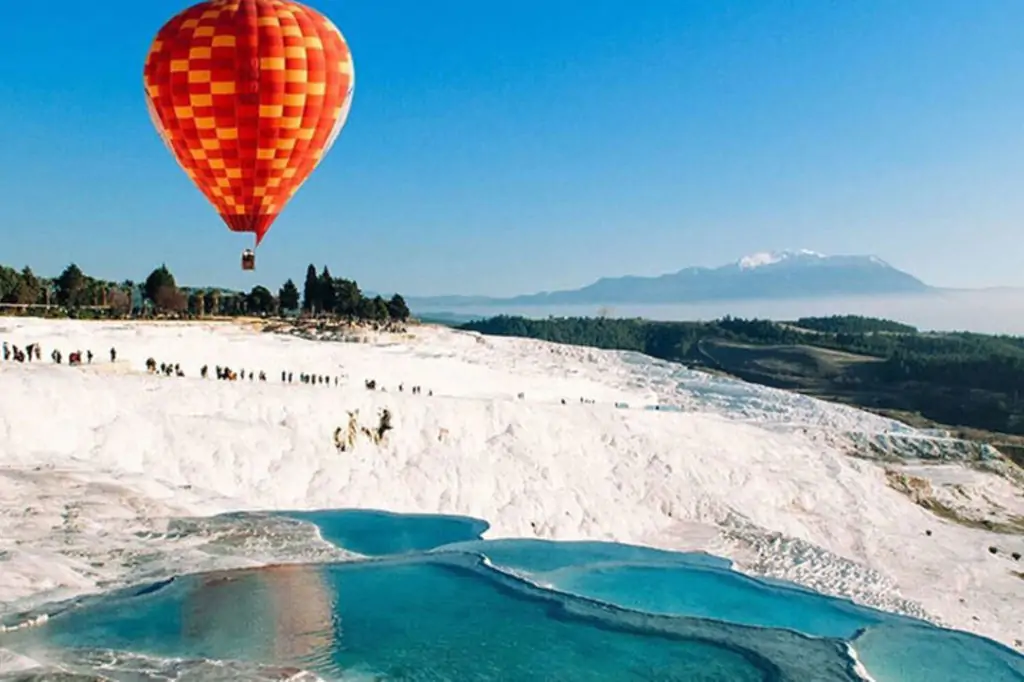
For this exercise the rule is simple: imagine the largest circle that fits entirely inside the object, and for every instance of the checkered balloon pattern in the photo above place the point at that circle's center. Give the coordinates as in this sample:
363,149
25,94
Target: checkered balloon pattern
249,95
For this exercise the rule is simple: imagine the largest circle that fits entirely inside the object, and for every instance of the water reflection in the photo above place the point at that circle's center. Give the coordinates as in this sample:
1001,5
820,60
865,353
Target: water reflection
278,613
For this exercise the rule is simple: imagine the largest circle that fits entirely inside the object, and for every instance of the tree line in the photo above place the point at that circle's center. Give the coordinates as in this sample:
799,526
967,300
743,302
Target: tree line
853,324
77,294
956,378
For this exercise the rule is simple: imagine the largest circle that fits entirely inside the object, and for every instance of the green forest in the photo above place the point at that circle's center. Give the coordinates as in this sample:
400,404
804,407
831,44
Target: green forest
75,294
957,379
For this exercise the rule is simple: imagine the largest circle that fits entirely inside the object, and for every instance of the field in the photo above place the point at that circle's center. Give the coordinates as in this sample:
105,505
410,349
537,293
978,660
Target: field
807,368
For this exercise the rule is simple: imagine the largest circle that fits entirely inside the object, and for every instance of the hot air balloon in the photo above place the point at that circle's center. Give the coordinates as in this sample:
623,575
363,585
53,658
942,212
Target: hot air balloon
249,95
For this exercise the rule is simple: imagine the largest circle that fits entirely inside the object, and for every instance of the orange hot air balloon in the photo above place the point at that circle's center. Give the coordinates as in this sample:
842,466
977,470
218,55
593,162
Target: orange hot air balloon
249,95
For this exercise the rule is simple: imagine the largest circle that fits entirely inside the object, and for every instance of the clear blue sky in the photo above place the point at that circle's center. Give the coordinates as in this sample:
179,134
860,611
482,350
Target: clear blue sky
511,147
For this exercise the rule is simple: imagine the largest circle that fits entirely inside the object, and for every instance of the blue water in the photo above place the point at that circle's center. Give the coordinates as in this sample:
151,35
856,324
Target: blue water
379,533
915,652
649,580
723,595
437,603
543,556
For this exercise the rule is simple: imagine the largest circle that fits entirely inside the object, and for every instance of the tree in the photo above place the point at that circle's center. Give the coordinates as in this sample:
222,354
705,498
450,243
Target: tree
311,291
158,279
70,286
170,299
260,300
27,292
288,296
379,308
397,309
365,309
211,301
328,301
322,294
240,303
94,292
9,280
234,304
197,303
120,301
347,297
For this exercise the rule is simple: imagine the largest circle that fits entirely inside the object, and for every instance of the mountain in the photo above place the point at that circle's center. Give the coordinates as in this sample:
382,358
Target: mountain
777,274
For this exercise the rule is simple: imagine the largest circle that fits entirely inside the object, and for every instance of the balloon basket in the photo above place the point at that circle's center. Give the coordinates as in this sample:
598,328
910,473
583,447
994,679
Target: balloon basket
248,260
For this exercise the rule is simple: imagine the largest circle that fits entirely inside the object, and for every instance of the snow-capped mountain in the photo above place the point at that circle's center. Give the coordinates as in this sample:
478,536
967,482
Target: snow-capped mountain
803,257
775,274
757,260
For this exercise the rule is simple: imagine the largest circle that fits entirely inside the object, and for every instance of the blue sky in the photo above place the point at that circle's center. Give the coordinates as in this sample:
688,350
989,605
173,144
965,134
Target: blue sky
505,148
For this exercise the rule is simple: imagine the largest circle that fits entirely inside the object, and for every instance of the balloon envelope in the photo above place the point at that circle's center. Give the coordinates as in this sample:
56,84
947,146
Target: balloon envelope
249,95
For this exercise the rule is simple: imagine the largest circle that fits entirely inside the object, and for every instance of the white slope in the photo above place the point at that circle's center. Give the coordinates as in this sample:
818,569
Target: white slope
95,461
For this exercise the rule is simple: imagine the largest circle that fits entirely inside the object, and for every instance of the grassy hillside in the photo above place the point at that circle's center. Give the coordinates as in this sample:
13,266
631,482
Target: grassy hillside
801,366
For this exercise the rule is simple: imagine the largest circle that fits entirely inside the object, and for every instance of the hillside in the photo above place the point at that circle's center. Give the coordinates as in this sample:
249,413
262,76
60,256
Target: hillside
107,467
806,368
966,381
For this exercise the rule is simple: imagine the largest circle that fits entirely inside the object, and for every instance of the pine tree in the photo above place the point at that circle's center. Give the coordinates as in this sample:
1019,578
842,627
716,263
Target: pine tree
397,309
380,308
288,296
70,285
311,291
328,296
161,278
260,300
347,297
28,287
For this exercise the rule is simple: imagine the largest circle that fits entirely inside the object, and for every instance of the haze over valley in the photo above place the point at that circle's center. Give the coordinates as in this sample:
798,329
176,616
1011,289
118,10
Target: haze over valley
782,285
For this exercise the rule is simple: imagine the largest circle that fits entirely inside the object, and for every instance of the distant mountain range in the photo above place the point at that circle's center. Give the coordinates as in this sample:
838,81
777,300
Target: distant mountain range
773,275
